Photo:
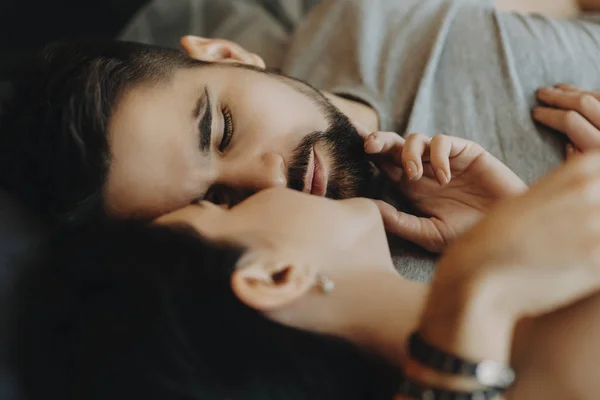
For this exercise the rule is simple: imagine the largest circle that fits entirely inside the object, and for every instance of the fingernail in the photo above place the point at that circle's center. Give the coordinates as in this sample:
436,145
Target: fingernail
371,147
570,148
371,143
201,39
566,87
411,170
542,91
441,176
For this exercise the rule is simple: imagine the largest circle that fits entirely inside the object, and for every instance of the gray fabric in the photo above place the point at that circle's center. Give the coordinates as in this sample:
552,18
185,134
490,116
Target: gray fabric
260,26
458,67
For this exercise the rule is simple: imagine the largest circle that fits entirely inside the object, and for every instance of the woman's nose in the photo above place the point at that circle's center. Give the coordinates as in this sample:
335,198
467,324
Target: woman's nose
272,172
266,171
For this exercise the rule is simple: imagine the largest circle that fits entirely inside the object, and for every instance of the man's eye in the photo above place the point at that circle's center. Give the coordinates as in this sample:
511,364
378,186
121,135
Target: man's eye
227,130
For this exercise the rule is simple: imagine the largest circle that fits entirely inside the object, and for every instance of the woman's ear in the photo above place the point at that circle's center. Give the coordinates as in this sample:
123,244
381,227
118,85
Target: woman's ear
265,285
219,50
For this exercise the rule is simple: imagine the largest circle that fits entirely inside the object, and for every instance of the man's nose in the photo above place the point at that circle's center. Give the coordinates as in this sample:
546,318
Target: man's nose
266,171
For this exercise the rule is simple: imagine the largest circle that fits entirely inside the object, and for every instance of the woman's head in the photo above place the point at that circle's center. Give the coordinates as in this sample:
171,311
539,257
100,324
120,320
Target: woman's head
132,311
287,227
141,131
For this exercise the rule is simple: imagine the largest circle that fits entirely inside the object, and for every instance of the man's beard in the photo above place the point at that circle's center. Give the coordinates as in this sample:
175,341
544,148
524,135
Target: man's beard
350,172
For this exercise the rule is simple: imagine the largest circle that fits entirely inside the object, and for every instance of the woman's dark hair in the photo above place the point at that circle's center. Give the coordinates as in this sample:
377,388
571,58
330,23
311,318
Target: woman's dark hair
127,311
54,152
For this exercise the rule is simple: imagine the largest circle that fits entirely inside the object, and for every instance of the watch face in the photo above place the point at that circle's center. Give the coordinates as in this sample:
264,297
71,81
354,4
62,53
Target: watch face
494,374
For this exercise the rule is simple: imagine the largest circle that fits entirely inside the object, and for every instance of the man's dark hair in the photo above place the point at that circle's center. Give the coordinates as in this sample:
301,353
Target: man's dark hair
128,311
54,152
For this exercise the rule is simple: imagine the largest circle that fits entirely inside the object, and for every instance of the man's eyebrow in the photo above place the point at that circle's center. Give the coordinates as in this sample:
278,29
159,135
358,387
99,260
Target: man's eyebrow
203,104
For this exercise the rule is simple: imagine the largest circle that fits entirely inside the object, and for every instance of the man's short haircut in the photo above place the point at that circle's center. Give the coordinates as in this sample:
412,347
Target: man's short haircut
54,152
128,311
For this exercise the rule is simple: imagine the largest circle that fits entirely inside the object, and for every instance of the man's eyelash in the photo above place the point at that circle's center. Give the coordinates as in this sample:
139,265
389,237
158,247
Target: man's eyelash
227,129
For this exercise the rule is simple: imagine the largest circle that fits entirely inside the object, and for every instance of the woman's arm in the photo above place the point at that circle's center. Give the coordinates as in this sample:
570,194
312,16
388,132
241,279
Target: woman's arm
558,354
532,255
467,321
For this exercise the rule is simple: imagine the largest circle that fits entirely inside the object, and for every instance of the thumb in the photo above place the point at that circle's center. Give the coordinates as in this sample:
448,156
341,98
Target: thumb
421,231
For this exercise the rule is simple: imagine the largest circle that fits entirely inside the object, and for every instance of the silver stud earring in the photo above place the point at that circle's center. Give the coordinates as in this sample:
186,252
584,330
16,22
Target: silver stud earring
325,284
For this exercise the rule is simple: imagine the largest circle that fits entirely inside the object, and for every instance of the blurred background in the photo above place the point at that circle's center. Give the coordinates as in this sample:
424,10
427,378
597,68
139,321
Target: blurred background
28,24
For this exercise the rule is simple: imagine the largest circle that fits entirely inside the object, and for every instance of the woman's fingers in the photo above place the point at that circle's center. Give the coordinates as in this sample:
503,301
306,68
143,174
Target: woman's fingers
584,103
407,153
421,231
447,154
572,88
418,155
573,111
579,129
389,143
387,146
568,87
412,156
439,157
572,151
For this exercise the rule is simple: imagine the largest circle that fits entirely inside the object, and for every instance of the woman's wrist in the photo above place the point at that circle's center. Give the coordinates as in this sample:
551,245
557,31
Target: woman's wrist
471,319
466,319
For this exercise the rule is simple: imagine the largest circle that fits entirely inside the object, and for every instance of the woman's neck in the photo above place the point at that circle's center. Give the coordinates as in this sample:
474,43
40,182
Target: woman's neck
376,312
382,312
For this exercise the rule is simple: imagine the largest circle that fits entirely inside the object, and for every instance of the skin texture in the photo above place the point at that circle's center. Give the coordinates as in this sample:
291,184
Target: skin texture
481,293
572,111
567,199
297,305
342,240
158,165
452,181
289,136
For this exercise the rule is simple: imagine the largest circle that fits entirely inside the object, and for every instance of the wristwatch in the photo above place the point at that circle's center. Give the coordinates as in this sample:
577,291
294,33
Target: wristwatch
488,373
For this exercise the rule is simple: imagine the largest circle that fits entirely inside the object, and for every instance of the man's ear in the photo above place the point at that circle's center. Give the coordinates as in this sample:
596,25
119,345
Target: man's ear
219,50
265,285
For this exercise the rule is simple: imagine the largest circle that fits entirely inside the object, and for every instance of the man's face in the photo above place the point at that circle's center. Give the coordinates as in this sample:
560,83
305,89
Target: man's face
221,132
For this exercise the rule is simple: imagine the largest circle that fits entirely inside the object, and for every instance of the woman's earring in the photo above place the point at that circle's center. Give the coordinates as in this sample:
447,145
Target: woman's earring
325,284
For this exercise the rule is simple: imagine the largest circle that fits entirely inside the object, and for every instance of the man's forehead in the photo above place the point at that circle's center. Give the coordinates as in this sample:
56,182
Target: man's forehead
139,104
296,84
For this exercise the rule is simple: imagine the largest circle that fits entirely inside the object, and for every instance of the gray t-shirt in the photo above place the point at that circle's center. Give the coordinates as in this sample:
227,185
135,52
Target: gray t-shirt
457,67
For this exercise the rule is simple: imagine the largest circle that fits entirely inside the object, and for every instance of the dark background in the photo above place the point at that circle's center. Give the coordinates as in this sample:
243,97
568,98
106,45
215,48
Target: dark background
27,24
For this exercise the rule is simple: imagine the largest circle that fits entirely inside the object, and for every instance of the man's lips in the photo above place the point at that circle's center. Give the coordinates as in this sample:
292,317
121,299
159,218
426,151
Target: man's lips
315,181
319,181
